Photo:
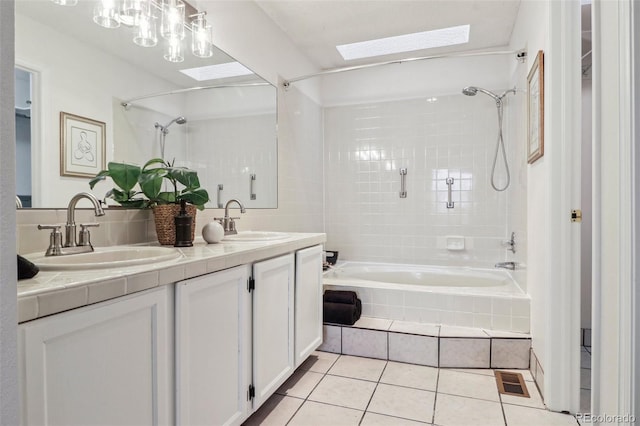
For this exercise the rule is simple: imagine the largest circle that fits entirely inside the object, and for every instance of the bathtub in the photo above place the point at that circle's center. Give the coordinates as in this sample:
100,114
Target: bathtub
461,296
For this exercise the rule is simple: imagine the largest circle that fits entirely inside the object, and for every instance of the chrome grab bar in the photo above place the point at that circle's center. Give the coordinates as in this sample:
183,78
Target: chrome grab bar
403,182
219,195
450,203
252,190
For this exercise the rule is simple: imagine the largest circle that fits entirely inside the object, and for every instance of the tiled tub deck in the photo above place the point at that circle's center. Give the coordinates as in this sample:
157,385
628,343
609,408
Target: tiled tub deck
429,344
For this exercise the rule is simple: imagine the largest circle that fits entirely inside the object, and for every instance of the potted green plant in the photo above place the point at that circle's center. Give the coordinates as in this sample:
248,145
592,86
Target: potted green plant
142,187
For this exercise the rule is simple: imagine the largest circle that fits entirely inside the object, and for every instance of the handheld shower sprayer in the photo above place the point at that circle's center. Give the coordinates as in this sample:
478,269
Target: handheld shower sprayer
472,91
165,129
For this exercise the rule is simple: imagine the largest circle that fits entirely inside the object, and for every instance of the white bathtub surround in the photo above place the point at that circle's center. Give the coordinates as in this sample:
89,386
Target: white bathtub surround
467,297
428,344
367,144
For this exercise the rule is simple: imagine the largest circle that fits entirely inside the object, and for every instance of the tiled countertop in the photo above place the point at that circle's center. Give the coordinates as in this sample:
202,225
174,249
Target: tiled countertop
51,292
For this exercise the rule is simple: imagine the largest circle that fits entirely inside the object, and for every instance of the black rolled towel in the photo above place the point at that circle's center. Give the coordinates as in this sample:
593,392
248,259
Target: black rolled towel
339,313
26,269
340,296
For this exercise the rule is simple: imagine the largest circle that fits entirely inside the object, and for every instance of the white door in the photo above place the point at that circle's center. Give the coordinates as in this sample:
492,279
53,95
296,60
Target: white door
308,308
273,357
107,364
213,343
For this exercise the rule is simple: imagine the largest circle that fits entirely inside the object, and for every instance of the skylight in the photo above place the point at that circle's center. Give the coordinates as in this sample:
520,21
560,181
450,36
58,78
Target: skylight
216,72
405,43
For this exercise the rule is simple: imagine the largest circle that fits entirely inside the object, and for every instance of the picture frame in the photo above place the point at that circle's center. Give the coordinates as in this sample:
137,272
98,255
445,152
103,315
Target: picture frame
82,145
535,109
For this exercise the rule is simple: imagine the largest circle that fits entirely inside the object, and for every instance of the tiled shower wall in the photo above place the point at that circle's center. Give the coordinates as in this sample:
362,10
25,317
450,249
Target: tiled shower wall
434,138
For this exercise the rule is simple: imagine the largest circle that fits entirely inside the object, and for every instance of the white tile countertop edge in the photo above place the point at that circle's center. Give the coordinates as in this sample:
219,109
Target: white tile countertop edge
51,292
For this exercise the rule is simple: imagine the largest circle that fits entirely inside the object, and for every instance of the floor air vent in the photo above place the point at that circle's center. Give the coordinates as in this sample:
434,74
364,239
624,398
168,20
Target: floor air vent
511,384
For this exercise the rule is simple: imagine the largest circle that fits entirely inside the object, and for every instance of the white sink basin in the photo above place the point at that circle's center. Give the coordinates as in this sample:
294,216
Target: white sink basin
256,236
105,257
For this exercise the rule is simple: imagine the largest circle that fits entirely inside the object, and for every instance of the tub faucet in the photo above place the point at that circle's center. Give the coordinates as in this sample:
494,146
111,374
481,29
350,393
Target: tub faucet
506,265
70,227
228,223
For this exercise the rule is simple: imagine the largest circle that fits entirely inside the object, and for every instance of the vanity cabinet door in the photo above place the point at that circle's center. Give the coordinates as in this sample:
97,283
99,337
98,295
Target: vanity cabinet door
273,352
213,342
108,363
308,307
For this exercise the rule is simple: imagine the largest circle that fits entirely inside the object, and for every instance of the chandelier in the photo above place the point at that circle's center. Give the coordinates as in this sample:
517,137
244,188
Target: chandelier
148,17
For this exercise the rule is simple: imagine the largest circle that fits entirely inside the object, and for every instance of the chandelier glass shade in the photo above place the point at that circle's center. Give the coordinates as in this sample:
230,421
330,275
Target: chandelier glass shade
145,16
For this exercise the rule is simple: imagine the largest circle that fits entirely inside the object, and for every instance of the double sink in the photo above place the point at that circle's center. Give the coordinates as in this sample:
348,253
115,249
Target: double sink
122,256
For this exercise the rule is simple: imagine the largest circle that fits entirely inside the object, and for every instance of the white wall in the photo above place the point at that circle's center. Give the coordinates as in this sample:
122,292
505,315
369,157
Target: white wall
530,32
9,402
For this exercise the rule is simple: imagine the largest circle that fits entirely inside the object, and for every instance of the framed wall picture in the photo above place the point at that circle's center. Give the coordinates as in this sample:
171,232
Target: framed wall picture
535,107
82,145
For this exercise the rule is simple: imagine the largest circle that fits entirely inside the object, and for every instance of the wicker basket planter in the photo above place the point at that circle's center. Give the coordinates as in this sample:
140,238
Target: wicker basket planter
165,225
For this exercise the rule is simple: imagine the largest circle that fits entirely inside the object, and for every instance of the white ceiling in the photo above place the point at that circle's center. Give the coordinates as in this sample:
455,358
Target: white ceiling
316,27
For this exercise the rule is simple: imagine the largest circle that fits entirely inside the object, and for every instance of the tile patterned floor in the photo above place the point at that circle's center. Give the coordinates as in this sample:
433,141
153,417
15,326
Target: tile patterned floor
331,389
585,379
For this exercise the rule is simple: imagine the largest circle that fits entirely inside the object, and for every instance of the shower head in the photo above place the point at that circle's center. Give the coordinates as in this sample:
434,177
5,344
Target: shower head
472,91
165,128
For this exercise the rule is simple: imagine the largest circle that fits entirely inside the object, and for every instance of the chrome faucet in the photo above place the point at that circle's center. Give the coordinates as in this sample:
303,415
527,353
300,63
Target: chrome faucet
228,223
506,265
71,245
511,244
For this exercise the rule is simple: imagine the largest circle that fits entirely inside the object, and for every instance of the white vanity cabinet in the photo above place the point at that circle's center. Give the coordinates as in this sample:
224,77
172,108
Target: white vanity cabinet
273,328
308,294
213,348
108,363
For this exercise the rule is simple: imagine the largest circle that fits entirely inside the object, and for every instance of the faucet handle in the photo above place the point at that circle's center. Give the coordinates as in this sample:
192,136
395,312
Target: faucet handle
84,238
55,240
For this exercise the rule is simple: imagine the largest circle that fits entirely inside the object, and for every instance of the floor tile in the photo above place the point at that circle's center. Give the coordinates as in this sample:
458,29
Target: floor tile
373,419
358,368
345,392
300,384
413,376
313,413
277,411
481,371
525,416
534,400
412,404
465,384
457,410
319,362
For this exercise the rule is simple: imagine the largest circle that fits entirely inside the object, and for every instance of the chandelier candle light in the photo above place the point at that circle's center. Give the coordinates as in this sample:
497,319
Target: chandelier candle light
143,17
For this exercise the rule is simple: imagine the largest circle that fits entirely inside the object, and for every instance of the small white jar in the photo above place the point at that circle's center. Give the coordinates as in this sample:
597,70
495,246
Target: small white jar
213,232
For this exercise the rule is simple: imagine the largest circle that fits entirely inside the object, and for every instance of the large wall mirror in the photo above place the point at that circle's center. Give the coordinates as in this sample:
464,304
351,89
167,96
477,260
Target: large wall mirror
65,63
